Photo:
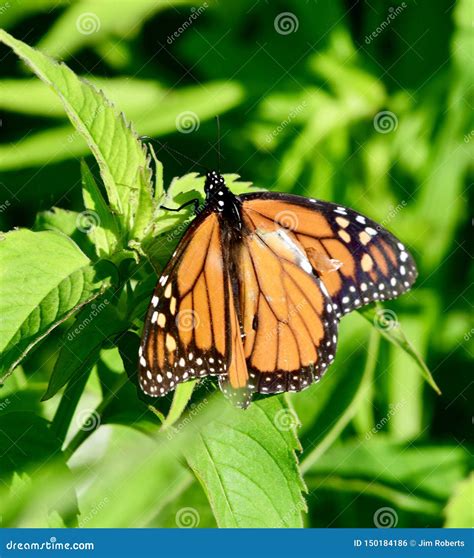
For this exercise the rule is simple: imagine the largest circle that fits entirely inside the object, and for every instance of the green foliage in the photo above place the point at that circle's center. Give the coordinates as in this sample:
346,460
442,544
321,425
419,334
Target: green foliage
90,449
459,512
60,280
247,466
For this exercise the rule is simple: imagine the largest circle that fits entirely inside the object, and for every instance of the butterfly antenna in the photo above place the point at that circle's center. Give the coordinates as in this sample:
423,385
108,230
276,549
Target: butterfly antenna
218,123
171,151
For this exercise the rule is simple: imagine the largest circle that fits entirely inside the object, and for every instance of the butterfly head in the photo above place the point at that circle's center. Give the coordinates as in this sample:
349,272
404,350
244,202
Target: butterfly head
216,190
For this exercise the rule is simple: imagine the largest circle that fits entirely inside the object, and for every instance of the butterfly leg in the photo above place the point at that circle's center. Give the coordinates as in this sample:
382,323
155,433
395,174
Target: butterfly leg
194,201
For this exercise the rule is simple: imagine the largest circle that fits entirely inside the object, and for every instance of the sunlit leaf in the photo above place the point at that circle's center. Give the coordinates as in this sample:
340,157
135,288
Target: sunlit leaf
114,144
59,280
396,336
98,220
459,511
246,462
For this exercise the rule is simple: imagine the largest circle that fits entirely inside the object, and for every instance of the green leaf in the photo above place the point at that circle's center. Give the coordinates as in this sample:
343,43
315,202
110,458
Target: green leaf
17,11
145,207
246,463
159,186
428,472
81,344
57,219
181,398
332,423
88,22
77,226
103,227
460,511
395,335
150,118
33,97
188,509
113,143
36,443
43,280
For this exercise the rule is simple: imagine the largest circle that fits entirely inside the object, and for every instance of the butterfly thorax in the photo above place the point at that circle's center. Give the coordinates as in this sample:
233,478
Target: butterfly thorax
220,199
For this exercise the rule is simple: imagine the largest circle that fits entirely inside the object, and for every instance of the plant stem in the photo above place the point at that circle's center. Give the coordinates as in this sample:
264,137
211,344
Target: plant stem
67,406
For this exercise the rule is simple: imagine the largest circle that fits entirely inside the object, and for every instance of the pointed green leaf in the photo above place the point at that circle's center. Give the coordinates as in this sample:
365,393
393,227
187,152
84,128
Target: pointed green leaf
112,141
44,278
103,229
246,462
181,398
395,335
145,207
88,22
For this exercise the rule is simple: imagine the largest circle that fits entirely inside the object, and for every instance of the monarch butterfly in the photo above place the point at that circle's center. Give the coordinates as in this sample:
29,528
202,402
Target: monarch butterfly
255,289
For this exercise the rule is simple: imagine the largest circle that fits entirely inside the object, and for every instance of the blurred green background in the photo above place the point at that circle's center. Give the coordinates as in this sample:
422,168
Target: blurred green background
365,103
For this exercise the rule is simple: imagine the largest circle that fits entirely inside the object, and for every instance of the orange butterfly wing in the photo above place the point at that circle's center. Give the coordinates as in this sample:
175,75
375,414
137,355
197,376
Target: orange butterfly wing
288,324
260,308
358,260
185,335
